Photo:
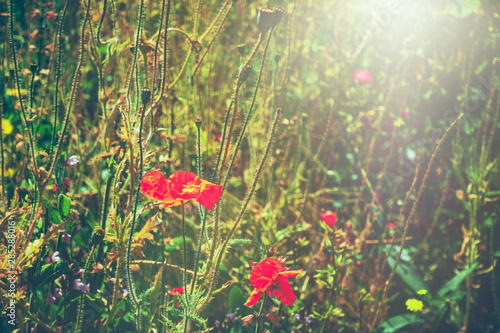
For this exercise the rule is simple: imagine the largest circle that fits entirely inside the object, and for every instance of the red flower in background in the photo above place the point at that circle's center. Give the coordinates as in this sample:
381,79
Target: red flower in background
271,276
329,218
180,187
177,291
362,76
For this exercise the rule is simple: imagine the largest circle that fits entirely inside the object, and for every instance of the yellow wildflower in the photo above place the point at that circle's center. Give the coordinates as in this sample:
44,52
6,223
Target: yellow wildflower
414,305
422,292
6,126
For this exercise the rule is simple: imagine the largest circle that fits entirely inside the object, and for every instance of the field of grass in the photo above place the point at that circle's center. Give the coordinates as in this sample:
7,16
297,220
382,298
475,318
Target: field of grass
243,166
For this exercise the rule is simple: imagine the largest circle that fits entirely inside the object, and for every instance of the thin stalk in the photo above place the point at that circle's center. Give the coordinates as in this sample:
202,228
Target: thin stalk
239,83
98,35
18,87
249,114
184,277
408,219
332,293
58,75
165,58
4,198
245,204
134,215
257,327
74,88
216,34
203,214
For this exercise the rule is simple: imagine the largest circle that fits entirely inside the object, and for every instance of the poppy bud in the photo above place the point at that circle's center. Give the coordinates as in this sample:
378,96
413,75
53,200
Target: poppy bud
268,17
145,96
198,123
97,235
245,73
33,67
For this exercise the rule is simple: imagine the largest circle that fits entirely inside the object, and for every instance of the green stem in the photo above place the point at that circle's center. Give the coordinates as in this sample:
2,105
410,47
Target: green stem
257,327
244,206
249,114
184,278
203,216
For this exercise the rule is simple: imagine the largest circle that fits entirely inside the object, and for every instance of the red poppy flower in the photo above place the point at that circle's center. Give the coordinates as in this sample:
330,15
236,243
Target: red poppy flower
180,187
177,291
362,75
271,276
329,218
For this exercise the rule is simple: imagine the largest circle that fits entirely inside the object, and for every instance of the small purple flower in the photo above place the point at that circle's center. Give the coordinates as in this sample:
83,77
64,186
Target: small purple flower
308,319
297,316
78,285
58,293
49,299
54,258
71,161
66,237
125,292
230,317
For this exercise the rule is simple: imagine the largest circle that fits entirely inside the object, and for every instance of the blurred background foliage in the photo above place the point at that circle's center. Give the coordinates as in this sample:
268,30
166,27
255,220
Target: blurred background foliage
343,145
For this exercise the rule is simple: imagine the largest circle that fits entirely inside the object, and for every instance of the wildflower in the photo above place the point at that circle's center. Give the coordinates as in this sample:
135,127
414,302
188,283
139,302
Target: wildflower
49,299
58,293
180,187
390,225
51,15
66,185
247,320
53,258
405,113
71,161
271,276
65,236
414,305
6,126
329,218
177,291
362,76
55,188
78,285
422,292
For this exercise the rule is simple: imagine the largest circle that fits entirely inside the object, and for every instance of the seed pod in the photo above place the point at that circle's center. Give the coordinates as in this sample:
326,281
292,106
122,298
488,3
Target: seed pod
245,73
97,236
33,67
145,96
268,17
198,123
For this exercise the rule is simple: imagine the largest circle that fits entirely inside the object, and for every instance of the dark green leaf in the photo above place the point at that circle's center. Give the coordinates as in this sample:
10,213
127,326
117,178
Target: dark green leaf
64,205
50,272
394,324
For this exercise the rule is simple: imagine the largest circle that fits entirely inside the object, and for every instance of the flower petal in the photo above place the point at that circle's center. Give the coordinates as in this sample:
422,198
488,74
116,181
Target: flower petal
290,274
185,185
264,274
283,291
329,218
155,186
209,195
253,298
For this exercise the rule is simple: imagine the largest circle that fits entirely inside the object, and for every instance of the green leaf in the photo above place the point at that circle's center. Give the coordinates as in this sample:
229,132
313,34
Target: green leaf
408,273
236,299
50,272
392,325
90,219
450,289
64,205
